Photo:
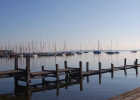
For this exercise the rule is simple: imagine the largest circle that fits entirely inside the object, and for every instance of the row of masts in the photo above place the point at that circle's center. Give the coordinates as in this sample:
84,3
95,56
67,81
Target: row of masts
50,46
33,46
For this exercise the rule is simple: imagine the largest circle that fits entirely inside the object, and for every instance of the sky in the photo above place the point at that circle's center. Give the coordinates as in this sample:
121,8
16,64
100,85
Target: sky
76,23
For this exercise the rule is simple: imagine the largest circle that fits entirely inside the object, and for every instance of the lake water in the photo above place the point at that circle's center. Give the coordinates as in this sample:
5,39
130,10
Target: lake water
93,87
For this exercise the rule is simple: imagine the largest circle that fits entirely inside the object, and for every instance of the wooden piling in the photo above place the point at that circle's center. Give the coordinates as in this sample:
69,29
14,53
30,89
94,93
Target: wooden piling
65,63
57,73
43,80
16,62
136,63
125,63
80,66
57,78
112,68
42,68
99,67
28,69
87,66
16,67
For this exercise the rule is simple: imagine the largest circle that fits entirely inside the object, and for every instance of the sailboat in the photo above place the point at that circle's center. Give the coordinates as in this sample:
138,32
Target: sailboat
97,51
80,50
117,52
86,50
134,51
110,52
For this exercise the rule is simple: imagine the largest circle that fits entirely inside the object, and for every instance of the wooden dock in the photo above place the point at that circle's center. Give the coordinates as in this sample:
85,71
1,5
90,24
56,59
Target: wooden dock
72,76
26,76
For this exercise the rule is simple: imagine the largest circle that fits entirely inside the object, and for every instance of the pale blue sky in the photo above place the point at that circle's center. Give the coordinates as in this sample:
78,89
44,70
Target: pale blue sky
77,21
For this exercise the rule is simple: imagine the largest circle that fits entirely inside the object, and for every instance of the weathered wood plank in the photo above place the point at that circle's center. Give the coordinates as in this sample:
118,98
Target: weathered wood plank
41,73
11,72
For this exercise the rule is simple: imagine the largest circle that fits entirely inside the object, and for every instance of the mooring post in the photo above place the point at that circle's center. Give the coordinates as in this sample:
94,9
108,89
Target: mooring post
80,65
99,67
87,66
28,69
112,68
124,63
136,63
65,63
43,78
16,67
16,62
42,68
57,72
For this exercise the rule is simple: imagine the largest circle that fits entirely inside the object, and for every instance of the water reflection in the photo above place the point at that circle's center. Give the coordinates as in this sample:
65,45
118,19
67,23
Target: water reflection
25,92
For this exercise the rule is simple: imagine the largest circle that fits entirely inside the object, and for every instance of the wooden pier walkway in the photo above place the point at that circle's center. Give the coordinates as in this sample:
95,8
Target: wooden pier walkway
72,76
26,76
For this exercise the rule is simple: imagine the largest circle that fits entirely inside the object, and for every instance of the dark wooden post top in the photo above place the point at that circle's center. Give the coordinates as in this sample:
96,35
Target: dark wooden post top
16,62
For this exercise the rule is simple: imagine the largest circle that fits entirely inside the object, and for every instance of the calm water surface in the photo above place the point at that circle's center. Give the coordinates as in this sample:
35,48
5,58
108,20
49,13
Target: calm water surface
93,87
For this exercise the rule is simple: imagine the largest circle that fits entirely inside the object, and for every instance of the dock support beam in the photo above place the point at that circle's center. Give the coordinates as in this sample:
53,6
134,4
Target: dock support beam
16,67
125,66
16,62
43,78
57,78
80,66
57,73
136,63
125,63
42,68
112,70
87,69
99,72
28,69
65,63
87,66
99,67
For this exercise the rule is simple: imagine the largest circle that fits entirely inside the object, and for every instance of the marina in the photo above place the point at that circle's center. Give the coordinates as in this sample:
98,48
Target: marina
69,50
63,76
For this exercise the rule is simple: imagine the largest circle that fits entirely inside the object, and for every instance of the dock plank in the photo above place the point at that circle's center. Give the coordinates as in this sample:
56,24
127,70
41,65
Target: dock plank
11,72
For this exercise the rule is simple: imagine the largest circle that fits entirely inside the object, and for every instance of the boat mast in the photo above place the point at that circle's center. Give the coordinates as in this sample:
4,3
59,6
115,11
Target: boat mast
80,46
111,45
134,47
98,44
117,46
